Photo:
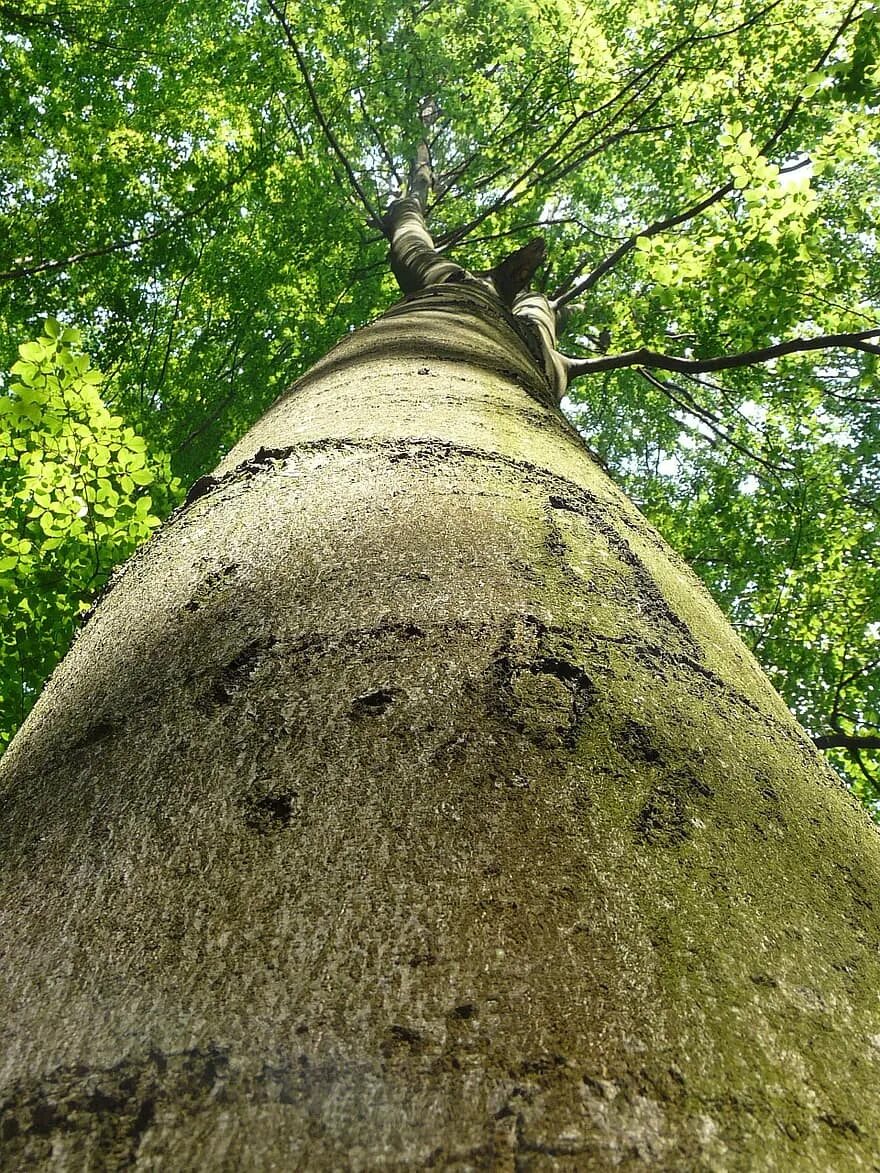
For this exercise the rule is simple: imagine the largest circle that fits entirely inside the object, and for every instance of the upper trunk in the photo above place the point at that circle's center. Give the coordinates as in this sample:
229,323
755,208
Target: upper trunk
407,802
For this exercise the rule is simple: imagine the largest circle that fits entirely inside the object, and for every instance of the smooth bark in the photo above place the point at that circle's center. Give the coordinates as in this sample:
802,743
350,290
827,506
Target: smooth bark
408,803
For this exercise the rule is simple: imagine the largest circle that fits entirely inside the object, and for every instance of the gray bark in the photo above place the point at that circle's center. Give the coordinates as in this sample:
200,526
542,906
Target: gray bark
407,803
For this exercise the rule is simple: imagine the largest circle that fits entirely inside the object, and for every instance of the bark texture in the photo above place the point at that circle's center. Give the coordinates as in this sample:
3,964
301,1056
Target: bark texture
407,803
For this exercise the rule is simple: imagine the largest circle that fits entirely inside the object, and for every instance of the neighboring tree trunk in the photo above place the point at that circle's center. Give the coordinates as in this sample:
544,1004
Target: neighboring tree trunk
407,803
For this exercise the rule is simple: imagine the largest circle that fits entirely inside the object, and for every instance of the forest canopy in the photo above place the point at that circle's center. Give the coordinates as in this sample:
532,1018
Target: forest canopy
190,217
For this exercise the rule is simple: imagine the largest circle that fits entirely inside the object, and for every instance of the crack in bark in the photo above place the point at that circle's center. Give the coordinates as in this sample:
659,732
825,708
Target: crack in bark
232,677
663,820
117,1105
270,812
650,596
656,658
267,460
375,702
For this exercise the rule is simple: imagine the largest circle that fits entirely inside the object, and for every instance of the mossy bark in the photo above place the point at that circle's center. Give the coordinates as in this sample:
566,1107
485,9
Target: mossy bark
408,803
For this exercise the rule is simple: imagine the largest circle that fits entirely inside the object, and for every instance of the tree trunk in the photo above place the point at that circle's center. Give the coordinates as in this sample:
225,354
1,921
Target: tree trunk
408,803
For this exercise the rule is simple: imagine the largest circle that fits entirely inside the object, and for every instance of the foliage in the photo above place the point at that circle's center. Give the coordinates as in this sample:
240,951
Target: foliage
707,178
73,501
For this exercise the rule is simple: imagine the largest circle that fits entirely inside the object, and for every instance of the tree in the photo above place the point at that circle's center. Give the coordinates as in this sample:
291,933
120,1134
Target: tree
169,187
405,800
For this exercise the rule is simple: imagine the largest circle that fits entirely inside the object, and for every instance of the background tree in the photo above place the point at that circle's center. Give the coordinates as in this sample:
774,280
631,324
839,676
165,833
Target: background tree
182,183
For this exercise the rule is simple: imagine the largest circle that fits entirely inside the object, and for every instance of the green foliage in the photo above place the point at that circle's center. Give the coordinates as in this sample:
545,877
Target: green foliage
167,184
74,500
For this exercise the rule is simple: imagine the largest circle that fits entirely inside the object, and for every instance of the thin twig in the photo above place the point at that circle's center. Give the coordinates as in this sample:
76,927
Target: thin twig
119,246
690,405
375,219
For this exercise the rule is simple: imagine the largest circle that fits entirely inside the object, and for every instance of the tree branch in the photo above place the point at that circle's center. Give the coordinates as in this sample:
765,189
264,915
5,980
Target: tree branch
374,130
421,176
646,75
458,234
54,23
854,742
375,220
689,405
695,366
119,246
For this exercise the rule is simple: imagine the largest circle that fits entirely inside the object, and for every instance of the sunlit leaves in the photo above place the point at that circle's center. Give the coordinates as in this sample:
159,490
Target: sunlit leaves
74,481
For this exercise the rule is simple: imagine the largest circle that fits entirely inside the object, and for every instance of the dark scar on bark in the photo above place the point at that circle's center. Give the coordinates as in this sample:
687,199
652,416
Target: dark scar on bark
374,703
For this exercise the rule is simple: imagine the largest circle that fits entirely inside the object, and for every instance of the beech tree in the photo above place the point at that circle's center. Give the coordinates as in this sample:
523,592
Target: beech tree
706,183
405,800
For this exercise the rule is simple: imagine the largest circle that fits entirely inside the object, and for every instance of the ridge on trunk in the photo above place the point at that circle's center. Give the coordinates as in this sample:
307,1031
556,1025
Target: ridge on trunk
417,265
